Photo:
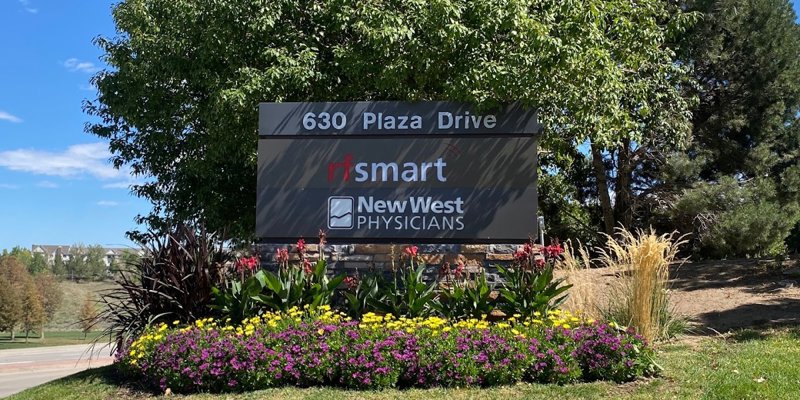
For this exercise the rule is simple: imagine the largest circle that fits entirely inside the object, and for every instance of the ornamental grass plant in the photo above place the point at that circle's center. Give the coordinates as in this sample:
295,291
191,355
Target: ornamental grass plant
575,261
639,297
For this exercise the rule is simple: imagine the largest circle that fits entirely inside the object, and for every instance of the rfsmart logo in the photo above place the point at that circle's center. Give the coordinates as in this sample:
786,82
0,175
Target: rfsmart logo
387,171
340,212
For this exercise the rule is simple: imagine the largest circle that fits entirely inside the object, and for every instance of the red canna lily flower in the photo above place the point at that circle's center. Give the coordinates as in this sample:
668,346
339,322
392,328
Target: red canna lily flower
411,250
351,282
459,271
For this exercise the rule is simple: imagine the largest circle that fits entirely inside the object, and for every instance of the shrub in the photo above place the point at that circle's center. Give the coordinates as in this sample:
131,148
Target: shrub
639,296
529,283
731,218
173,280
461,297
294,287
407,293
237,299
360,293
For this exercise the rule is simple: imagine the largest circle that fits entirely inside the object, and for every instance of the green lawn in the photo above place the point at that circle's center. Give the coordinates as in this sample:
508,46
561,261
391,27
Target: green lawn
64,328
748,365
58,338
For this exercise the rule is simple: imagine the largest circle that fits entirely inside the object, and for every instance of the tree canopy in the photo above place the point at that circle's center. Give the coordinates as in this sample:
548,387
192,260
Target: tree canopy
178,103
737,185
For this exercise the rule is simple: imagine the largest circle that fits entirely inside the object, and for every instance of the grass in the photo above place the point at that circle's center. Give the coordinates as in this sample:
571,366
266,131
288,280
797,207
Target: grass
640,296
746,365
59,338
583,298
67,316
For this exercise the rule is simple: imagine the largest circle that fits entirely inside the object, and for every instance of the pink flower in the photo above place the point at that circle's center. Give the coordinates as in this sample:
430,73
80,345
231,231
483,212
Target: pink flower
282,256
459,271
554,250
411,251
306,266
301,246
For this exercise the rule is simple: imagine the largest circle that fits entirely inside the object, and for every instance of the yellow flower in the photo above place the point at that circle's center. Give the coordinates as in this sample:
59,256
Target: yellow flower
320,331
176,322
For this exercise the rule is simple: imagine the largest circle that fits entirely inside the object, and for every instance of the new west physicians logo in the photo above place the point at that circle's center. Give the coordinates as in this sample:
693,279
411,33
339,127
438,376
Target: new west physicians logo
340,212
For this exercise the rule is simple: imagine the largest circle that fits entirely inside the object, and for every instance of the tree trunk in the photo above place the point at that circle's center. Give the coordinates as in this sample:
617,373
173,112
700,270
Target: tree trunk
41,333
27,333
623,200
12,334
602,189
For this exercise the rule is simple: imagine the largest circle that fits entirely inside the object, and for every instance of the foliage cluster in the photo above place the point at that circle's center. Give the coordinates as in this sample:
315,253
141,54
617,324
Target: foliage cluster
26,302
529,286
184,276
321,347
172,280
177,103
83,262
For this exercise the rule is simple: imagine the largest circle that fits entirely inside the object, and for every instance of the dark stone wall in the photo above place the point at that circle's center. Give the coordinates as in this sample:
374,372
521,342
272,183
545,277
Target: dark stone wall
354,259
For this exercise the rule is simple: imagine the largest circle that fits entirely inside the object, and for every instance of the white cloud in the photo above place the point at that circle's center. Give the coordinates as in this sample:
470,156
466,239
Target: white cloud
8,186
118,185
47,185
26,4
126,184
73,64
107,203
4,116
77,160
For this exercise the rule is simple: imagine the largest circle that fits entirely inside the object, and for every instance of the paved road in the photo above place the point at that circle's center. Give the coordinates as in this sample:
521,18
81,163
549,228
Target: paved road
24,368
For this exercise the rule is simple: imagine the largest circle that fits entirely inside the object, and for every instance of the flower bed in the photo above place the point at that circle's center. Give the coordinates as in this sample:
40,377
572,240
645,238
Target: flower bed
306,348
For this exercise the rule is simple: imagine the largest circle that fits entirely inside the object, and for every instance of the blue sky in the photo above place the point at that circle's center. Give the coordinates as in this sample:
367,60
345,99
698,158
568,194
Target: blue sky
56,186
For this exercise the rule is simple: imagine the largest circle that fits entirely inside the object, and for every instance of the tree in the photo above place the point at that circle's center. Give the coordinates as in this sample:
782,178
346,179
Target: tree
88,315
10,306
38,264
16,276
128,258
33,314
737,185
95,262
76,266
51,295
59,267
22,255
178,102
